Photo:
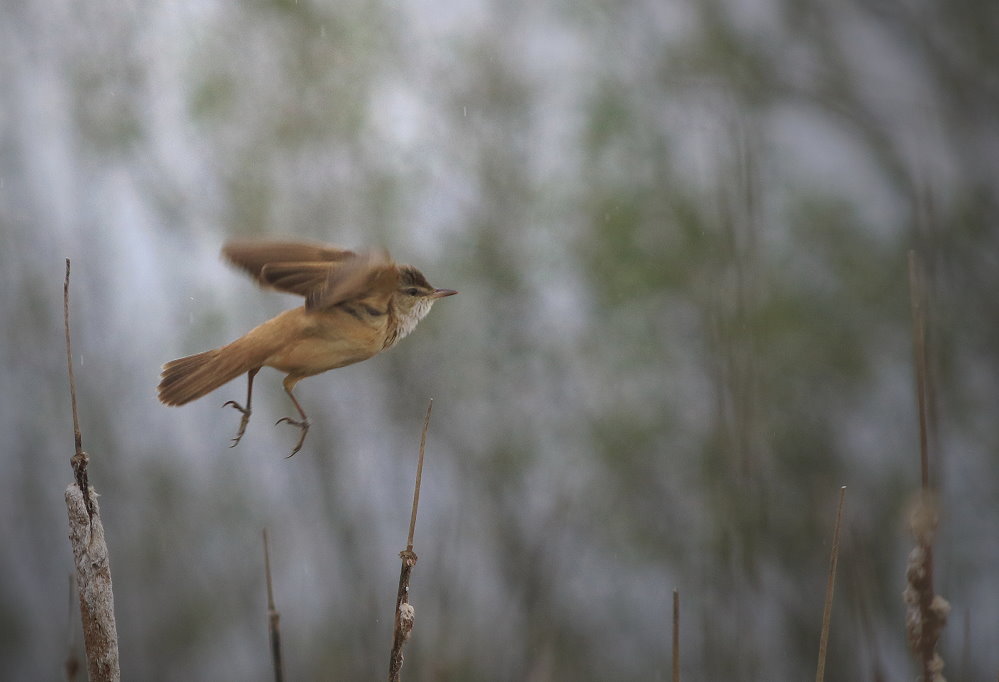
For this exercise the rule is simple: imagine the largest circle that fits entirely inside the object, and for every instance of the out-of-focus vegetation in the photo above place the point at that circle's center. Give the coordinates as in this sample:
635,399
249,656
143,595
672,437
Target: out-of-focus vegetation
679,230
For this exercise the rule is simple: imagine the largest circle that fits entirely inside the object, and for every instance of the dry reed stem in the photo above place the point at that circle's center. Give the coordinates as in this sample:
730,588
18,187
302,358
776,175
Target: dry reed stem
93,578
404,613
926,612
273,616
71,666
820,672
676,636
90,552
79,460
917,305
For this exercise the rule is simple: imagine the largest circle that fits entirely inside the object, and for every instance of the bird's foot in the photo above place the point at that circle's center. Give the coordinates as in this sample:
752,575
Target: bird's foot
303,426
242,422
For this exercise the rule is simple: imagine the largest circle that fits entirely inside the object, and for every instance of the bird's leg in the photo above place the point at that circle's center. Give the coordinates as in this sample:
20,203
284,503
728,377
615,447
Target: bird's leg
245,410
303,423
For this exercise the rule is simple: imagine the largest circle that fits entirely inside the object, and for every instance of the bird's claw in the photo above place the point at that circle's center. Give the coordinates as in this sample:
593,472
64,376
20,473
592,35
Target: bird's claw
303,426
242,422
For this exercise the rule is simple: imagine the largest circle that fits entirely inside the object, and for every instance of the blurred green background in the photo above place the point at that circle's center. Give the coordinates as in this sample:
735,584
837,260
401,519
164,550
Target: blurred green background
680,231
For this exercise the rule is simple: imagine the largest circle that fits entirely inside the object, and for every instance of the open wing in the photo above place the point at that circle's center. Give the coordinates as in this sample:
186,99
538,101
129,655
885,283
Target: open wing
325,275
368,279
294,267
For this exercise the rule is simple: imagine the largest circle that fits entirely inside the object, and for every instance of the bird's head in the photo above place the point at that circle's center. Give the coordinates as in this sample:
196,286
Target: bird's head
413,299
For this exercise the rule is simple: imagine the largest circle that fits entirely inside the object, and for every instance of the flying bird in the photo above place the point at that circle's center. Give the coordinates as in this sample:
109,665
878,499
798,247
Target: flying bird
356,306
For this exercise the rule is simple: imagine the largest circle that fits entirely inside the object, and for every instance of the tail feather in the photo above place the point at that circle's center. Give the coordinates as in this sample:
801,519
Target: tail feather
194,376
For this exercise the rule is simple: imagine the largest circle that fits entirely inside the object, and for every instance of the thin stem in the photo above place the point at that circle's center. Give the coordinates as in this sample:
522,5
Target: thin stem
404,613
273,616
916,298
78,437
676,636
79,459
820,672
419,477
931,615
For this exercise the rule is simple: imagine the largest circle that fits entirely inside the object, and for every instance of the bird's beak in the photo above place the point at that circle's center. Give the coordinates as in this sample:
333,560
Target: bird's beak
441,293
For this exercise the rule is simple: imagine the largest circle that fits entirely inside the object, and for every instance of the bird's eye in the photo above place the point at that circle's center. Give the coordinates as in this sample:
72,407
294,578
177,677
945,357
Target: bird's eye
412,291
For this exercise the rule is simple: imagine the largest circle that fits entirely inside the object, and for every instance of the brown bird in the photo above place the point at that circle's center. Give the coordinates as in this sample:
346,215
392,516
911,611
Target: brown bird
356,305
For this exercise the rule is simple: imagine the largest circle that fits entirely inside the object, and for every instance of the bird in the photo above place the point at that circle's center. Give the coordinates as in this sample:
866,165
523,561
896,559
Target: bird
357,304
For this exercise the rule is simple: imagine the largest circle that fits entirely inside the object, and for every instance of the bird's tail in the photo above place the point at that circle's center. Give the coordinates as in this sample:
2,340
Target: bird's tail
190,378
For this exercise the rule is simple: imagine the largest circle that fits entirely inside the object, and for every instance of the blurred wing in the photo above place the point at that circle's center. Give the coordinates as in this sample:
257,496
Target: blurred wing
304,279
368,279
299,268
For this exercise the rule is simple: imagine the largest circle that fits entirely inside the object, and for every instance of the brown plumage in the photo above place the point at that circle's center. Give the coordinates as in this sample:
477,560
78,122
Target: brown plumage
356,305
